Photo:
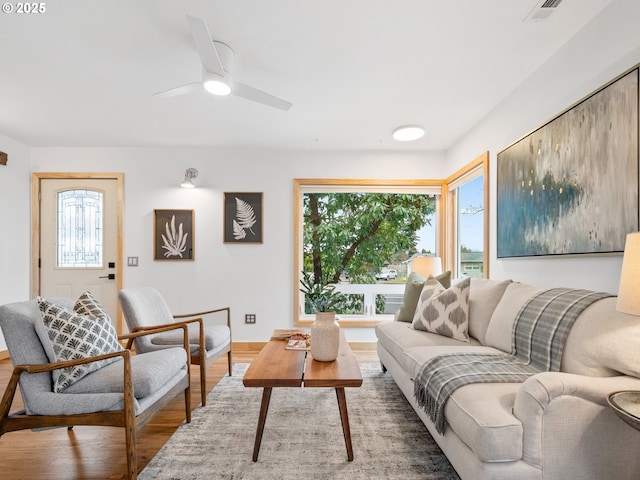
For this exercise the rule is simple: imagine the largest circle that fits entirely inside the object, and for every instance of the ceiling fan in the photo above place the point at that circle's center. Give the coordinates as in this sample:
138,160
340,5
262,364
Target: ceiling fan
217,62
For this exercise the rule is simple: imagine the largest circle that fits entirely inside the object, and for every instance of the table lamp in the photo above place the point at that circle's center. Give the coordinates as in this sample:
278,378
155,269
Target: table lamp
626,403
629,290
425,266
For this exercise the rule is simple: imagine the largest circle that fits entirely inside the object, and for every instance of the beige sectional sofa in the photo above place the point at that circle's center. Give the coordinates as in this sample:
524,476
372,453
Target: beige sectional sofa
554,425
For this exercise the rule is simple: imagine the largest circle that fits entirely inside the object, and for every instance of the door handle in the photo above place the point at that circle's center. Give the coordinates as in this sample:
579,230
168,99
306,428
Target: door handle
111,276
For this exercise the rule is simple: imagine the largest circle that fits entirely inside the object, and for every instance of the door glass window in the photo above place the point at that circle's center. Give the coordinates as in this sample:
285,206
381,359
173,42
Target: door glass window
79,229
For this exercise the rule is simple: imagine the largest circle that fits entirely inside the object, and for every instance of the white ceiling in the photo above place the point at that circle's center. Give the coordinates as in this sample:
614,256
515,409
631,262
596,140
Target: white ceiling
84,72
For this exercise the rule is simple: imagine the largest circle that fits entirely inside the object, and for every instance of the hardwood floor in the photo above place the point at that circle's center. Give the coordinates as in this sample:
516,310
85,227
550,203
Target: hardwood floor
98,452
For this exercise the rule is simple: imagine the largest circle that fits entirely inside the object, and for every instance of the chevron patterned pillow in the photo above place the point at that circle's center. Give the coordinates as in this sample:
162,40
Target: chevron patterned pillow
69,335
444,311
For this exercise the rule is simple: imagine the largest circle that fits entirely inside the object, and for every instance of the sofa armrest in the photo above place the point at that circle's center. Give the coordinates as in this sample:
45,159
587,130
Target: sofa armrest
539,391
566,420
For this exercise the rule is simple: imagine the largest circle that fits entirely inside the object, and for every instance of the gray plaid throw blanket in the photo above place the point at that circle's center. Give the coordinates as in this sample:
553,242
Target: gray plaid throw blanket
538,337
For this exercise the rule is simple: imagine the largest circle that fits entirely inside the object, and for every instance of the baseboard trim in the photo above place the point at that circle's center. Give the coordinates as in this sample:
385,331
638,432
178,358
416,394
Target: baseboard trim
363,346
254,347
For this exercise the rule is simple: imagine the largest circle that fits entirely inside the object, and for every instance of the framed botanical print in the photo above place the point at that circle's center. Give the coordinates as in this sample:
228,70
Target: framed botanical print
242,217
173,235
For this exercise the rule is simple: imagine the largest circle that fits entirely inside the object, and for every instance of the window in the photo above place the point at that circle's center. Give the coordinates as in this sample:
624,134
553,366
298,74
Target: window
359,236
468,222
79,229
456,230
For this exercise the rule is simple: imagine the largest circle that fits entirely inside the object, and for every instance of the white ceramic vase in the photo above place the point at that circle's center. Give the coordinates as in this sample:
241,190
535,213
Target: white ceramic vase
325,337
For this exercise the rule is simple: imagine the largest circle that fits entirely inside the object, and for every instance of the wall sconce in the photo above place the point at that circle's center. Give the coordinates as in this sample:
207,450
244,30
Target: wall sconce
189,175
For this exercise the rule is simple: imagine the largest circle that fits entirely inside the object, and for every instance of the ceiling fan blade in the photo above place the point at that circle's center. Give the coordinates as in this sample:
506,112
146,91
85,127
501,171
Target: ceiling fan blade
250,93
204,44
183,90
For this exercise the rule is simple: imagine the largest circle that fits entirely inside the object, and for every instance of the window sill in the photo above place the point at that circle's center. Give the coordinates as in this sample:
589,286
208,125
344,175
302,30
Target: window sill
345,322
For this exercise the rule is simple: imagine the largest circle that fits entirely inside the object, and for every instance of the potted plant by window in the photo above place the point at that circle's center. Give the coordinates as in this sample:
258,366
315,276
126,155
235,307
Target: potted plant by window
323,298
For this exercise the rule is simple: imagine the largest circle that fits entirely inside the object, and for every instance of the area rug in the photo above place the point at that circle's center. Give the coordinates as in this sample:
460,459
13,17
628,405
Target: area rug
303,436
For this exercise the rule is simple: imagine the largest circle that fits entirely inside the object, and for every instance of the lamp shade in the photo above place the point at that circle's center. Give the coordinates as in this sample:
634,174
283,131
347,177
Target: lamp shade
629,290
425,266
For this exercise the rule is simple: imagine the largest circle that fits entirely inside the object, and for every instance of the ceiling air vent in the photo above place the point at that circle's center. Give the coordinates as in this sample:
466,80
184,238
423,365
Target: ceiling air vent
542,10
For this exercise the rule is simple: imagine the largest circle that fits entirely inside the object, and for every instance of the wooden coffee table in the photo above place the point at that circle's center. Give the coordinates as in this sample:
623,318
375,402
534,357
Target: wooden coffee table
276,367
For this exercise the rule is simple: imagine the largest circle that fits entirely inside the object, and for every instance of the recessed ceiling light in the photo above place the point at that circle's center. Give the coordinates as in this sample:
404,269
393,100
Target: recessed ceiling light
407,133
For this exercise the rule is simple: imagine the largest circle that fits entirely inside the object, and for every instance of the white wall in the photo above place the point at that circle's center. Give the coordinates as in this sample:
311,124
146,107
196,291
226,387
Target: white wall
249,278
15,221
604,49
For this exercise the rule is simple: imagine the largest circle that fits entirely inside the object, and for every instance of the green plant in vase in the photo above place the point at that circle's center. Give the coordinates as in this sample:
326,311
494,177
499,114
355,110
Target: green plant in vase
320,297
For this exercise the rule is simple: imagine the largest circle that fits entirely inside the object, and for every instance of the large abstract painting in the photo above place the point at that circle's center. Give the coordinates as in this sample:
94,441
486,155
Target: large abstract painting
571,186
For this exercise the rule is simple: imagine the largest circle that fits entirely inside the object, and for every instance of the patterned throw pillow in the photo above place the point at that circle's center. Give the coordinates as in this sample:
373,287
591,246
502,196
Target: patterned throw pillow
70,335
444,311
412,291
88,305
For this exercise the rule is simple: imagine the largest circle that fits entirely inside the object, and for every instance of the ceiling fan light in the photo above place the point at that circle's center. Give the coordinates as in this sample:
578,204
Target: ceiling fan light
216,84
408,133
217,87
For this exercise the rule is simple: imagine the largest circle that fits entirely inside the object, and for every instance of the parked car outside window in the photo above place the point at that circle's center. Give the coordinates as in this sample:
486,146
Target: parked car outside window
386,274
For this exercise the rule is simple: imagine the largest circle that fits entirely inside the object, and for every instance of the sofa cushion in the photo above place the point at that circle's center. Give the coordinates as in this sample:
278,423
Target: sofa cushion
397,337
480,414
444,311
68,335
412,290
500,330
483,299
149,371
413,358
603,342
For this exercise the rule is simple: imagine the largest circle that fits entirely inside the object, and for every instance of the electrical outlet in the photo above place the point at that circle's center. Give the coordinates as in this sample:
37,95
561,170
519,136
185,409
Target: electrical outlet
250,318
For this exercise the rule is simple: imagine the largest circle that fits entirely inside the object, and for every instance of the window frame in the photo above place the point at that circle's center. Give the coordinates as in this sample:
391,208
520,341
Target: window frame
446,224
299,184
479,166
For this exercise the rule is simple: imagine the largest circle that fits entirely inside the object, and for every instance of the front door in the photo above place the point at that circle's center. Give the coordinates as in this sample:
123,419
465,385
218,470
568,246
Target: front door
79,239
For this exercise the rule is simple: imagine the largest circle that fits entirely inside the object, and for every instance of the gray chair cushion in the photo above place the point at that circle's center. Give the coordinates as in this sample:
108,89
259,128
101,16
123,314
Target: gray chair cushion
144,307
150,371
214,336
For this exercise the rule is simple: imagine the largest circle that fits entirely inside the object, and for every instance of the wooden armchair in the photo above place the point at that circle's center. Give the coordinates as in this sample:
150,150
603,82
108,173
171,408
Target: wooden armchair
104,397
145,308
